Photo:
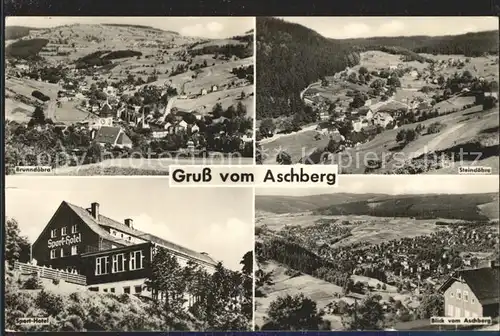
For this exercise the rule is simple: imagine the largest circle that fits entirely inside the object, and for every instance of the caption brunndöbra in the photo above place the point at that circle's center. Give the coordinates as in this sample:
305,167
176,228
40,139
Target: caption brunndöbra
293,176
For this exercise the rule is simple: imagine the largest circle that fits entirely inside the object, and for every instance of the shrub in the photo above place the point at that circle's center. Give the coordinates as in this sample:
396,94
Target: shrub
56,281
435,128
73,323
124,298
52,303
75,296
33,283
76,309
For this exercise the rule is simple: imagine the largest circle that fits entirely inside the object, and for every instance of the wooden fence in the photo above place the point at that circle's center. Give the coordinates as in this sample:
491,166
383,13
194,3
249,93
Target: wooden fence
49,273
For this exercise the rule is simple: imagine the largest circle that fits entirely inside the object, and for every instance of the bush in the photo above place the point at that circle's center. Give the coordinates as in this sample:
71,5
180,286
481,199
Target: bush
33,283
56,281
73,323
435,128
124,298
52,303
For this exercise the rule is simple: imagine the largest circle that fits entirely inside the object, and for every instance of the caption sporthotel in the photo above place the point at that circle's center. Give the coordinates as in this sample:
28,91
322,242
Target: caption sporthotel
254,176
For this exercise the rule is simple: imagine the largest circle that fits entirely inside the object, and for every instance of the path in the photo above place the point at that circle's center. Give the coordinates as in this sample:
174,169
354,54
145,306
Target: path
431,145
277,136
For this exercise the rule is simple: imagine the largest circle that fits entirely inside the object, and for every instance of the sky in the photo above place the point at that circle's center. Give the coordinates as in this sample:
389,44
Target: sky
209,26
218,221
398,185
354,27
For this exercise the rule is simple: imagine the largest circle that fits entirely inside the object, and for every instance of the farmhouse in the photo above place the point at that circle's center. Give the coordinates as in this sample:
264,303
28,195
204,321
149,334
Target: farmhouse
113,256
472,292
114,136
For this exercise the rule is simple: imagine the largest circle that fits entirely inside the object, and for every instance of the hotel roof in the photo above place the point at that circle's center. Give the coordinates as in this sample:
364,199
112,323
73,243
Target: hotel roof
103,221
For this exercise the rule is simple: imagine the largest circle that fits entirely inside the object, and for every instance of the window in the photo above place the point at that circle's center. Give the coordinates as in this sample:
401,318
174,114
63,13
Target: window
74,250
112,290
113,246
138,289
105,290
450,310
62,252
53,254
122,235
101,265
64,231
94,289
126,290
135,260
129,238
118,263
458,312
74,229
473,300
459,294
466,297
53,233
452,294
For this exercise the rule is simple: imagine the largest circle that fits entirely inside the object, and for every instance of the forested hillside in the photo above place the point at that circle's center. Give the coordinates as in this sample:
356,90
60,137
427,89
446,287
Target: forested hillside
15,32
290,57
470,44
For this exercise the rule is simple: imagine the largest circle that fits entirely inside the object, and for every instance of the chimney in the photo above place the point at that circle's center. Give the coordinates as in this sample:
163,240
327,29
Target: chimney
94,210
129,222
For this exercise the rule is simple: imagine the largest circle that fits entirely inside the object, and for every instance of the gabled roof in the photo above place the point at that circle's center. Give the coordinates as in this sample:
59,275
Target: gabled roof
482,281
103,221
107,134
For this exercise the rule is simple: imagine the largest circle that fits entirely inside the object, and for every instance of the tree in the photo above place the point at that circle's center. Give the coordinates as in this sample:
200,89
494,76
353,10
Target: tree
267,127
167,287
283,158
394,81
358,100
293,313
217,111
15,244
431,305
368,315
38,116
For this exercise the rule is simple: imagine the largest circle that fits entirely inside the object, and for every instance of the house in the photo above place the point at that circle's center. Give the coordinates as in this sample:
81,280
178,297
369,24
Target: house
114,136
326,127
308,101
359,124
365,112
113,256
491,94
472,292
414,73
203,92
324,115
382,119
106,110
368,102
393,67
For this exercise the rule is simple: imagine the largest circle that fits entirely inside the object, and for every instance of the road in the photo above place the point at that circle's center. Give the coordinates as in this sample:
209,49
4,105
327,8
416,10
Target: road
277,136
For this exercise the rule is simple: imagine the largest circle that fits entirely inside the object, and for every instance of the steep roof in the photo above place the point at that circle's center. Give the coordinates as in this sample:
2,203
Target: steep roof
107,134
482,281
103,221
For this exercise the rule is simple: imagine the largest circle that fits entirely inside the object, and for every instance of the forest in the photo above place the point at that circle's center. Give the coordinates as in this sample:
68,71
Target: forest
429,207
470,44
290,57
25,49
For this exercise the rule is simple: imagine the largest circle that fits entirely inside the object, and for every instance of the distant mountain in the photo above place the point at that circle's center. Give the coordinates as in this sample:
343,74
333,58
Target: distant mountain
469,44
139,27
291,204
464,207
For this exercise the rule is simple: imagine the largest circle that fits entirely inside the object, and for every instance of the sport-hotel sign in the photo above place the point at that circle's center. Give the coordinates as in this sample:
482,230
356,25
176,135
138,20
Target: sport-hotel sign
68,240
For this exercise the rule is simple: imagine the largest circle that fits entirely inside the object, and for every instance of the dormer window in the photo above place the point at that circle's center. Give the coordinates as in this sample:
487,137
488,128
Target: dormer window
53,233
64,231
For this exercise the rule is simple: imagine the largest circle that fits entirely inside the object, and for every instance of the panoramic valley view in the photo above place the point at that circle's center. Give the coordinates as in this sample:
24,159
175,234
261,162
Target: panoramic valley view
379,254
377,95
89,96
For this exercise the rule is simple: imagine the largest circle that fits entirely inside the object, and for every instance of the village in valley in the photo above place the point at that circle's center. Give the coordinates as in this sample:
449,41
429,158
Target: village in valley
375,261
92,97
411,109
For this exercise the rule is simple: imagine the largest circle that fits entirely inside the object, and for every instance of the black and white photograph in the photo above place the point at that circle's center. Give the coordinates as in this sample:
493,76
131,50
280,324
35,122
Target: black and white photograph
378,253
127,95
379,95
126,254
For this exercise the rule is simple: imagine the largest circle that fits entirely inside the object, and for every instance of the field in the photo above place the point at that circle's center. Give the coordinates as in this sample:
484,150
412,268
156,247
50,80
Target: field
136,166
318,290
